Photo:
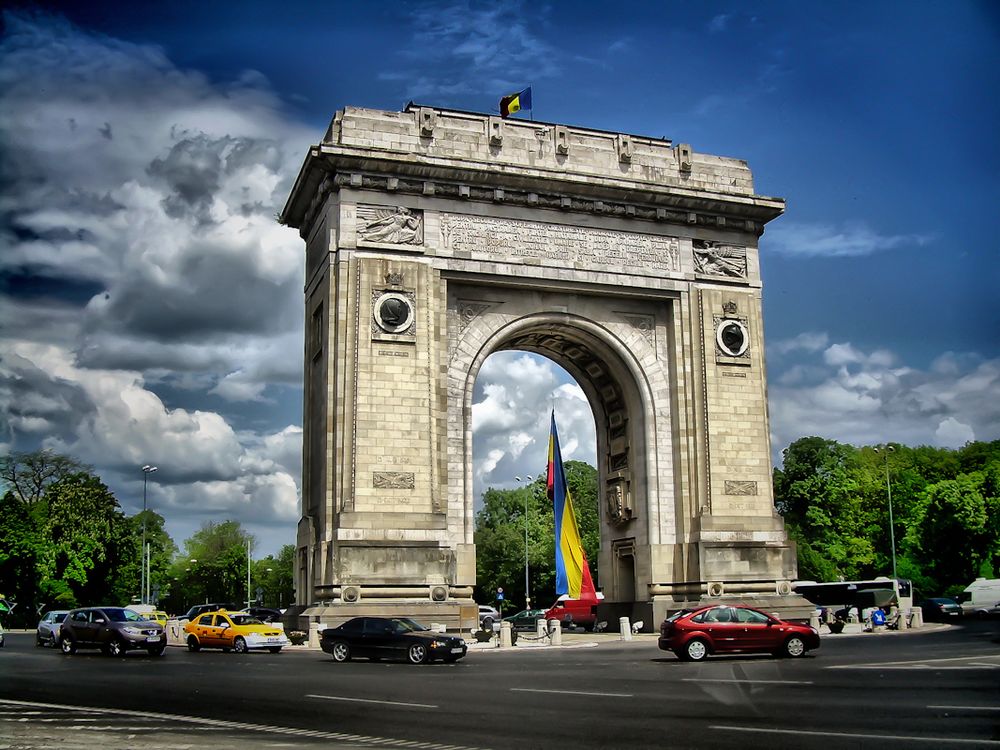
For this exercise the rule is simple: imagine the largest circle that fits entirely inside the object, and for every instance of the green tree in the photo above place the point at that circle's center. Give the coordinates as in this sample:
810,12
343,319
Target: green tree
91,548
954,533
499,535
274,575
213,566
28,475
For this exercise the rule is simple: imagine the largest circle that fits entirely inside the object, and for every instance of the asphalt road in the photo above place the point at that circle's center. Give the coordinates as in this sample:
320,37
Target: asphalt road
937,689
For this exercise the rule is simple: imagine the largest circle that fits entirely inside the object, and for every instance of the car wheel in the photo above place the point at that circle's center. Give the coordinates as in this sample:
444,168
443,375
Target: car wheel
695,650
275,649
115,648
193,644
68,645
794,647
240,645
417,653
341,651
157,650
39,641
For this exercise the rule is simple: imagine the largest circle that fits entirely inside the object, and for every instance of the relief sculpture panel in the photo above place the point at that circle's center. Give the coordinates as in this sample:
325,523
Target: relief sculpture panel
600,248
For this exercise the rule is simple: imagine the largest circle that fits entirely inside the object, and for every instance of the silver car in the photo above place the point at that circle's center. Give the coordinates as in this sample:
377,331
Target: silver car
47,633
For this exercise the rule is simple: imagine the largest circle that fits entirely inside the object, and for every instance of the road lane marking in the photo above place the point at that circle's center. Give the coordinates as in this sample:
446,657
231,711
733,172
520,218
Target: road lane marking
571,692
967,708
231,725
369,700
752,682
917,662
857,735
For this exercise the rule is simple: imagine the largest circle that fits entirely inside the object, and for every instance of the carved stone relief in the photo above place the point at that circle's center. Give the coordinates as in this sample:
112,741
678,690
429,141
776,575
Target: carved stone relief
645,324
393,480
739,487
514,238
392,226
716,259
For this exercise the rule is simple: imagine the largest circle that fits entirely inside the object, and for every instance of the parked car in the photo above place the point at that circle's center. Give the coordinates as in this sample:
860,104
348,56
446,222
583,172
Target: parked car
390,638
694,634
47,631
114,630
200,609
487,616
264,614
525,619
236,631
940,609
1,635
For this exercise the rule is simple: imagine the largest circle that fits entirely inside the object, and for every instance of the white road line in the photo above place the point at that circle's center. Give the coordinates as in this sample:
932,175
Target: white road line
753,682
914,661
857,735
221,723
368,700
967,708
571,692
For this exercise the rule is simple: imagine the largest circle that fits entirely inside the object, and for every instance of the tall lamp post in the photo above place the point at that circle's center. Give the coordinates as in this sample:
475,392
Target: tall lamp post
144,582
885,450
527,494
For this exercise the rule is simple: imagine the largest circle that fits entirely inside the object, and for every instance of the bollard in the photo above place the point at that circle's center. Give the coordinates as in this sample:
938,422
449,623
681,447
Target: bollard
625,629
505,635
541,628
555,632
814,620
917,618
315,630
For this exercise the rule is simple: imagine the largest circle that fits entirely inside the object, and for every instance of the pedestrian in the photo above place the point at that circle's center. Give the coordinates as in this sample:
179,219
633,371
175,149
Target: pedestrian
878,620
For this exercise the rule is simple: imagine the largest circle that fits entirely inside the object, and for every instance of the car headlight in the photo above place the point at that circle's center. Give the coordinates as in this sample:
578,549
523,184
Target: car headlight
132,631
438,644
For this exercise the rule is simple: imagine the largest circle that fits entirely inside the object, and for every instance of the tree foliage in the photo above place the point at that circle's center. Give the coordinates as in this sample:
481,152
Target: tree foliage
499,535
945,511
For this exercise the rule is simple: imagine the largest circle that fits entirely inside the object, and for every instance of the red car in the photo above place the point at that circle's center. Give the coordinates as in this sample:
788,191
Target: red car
693,634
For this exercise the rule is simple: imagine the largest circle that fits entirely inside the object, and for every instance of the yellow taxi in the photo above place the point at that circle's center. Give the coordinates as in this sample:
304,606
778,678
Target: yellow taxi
157,616
236,631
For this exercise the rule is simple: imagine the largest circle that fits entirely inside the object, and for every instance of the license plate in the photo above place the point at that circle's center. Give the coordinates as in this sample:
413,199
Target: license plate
153,639
457,650
274,640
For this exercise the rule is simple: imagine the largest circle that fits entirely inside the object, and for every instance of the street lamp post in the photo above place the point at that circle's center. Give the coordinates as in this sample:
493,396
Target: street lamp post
144,577
885,450
527,494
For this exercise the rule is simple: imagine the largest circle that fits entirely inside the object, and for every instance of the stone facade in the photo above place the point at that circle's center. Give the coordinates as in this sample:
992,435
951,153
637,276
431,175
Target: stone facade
435,238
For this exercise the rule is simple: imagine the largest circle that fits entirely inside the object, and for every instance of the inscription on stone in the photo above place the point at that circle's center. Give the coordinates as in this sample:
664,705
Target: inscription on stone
393,480
389,353
514,238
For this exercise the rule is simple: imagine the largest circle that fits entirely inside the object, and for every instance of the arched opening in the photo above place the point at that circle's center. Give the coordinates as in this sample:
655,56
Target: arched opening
614,393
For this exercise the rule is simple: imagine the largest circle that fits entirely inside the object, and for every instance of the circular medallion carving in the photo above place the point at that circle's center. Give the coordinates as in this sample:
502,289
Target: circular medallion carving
732,338
393,312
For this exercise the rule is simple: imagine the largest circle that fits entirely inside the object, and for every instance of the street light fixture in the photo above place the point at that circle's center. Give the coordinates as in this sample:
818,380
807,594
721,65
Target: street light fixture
885,450
527,494
144,577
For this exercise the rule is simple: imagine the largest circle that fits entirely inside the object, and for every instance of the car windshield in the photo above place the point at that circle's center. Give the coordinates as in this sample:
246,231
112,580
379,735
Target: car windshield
245,620
59,617
406,625
124,615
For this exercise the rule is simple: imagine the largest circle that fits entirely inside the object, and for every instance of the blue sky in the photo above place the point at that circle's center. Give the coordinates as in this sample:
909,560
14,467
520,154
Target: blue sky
151,306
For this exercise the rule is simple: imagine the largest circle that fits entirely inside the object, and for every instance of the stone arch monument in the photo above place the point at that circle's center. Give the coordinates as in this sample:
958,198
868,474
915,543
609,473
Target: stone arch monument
435,238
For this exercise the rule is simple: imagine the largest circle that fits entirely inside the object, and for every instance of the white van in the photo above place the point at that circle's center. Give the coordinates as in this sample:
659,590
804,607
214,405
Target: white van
981,597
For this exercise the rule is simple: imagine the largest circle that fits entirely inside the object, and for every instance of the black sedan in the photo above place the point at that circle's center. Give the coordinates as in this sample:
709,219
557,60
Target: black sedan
940,609
390,638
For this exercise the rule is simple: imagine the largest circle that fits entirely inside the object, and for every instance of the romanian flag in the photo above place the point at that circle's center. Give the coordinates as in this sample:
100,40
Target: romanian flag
572,572
515,102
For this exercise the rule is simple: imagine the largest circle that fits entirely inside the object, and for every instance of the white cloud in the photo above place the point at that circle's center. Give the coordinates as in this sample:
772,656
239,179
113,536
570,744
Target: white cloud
510,419
140,198
824,240
865,397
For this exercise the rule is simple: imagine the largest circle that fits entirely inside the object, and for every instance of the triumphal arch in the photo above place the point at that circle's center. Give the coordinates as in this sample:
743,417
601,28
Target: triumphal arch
435,238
